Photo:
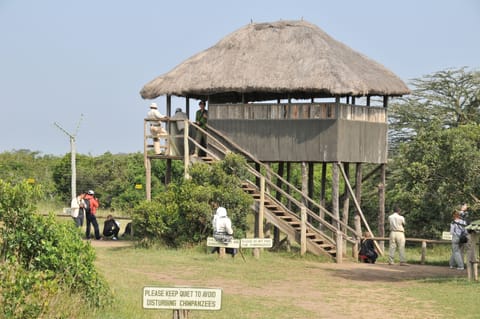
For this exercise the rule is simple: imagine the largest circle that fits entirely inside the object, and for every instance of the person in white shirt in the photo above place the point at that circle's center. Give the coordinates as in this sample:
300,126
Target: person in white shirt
397,236
157,130
77,209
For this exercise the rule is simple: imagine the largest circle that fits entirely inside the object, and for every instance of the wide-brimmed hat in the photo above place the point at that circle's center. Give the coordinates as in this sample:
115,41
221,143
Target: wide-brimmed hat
153,106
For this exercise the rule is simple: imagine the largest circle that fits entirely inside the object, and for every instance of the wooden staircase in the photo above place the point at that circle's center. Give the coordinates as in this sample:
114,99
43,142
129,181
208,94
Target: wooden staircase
290,224
319,240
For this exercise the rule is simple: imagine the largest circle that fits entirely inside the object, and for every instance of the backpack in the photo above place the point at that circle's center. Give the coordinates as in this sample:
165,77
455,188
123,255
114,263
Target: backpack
463,238
87,206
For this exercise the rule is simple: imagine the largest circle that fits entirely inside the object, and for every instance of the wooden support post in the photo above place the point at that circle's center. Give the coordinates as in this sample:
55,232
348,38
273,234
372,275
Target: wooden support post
424,252
358,195
256,251
148,178
221,252
180,314
472,258
303,230
323,182
336,209
381,204
186,150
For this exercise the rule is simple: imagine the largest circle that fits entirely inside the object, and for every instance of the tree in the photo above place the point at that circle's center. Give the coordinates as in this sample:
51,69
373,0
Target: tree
451,97
435,164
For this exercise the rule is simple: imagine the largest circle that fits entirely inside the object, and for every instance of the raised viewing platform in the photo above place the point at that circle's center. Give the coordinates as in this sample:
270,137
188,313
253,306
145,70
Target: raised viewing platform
290,111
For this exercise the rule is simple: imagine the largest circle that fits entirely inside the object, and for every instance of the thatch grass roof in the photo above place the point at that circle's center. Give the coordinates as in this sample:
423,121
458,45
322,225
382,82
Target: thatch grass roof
265,61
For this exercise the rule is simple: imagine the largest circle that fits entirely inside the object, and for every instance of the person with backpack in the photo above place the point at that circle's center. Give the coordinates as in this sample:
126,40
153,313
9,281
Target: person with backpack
91,205
457,229
77,209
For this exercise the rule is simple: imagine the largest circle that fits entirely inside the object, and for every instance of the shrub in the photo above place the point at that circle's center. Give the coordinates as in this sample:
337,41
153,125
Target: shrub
182,214
42,258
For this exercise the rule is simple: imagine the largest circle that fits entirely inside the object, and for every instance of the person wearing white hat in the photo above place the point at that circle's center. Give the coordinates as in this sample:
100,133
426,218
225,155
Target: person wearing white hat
157,130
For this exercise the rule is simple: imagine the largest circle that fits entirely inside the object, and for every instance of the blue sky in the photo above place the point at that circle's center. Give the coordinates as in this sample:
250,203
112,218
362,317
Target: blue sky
60,59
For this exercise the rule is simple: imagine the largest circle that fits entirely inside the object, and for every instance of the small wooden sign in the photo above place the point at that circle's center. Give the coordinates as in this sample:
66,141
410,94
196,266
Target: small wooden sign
182,298
256,243
212,242
446,235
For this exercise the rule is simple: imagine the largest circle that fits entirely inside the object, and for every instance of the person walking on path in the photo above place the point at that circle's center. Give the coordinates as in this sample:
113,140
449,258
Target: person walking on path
457,228
91,205
397,236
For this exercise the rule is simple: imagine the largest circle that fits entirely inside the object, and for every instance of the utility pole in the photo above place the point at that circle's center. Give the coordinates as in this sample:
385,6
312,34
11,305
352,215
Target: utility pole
73,152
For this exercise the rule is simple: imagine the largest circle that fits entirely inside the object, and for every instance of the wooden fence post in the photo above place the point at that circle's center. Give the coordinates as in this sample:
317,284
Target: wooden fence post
303,230
424,252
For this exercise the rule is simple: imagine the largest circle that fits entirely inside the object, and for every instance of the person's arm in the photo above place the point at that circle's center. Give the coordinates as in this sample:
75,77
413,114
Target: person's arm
74,204
228,227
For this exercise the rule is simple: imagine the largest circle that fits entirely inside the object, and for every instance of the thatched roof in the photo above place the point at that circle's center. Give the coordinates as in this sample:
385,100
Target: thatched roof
265,61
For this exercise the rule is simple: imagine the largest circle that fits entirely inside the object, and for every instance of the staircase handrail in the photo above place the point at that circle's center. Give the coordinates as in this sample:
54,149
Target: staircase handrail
292,187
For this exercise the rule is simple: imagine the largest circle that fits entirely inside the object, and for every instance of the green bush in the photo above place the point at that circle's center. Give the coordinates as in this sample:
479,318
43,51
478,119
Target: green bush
41,258
182,214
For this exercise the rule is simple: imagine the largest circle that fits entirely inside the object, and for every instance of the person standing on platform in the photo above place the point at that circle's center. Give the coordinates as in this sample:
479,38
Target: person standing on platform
201,118
157,130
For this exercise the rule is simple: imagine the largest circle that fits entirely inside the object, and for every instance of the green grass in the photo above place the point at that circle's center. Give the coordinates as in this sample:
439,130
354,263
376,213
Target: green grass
277,285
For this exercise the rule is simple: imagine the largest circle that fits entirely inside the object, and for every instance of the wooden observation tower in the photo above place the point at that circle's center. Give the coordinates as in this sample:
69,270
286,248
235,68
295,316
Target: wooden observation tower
287,93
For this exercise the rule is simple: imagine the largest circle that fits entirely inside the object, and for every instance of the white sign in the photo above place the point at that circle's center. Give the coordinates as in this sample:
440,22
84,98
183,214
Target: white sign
212,242
446,235
256,243
182,298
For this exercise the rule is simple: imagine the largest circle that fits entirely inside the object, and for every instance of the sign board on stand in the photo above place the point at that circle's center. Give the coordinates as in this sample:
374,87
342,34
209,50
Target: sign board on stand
256,243
212,242
182,298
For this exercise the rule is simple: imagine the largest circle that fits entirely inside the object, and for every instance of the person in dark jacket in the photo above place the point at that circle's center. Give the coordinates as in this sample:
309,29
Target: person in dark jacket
111,228
367,250
91,206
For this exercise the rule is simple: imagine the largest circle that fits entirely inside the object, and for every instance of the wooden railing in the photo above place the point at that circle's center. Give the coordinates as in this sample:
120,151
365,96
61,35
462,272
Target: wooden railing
297,111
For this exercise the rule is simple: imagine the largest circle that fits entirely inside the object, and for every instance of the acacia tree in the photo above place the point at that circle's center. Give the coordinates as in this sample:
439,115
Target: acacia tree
451,97
436,163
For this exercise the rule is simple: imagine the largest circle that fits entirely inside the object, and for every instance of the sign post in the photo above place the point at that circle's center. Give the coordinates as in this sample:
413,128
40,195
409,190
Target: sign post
182,298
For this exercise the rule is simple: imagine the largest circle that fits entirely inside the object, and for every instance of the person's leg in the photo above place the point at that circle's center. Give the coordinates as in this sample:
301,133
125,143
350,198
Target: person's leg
115,232
81,218
198,139
401,247
393,247
203,142
95,227
457,254
87,230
